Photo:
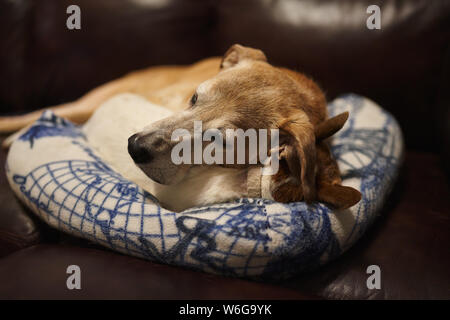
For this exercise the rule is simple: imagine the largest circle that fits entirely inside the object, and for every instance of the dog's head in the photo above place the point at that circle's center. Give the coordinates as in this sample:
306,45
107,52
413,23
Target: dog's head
247,93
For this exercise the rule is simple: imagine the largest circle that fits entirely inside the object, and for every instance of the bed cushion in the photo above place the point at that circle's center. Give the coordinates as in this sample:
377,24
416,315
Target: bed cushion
57,170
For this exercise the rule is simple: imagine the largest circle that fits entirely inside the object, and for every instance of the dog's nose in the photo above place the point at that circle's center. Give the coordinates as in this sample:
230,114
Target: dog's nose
137,149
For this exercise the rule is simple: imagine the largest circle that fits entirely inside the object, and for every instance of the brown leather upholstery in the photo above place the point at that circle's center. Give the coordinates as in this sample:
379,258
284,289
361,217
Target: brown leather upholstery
405,67
410,242
18,229
107,275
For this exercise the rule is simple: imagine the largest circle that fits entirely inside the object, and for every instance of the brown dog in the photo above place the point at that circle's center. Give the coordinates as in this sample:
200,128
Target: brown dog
247,92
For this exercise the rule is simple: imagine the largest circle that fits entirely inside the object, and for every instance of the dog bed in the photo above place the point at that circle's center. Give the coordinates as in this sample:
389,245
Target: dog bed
58,173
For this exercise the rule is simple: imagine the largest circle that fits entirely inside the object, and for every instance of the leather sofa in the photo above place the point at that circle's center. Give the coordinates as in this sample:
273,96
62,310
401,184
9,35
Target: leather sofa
404,66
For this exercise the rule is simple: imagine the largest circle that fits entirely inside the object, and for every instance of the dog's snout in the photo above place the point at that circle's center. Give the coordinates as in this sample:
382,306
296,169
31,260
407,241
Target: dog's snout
138,150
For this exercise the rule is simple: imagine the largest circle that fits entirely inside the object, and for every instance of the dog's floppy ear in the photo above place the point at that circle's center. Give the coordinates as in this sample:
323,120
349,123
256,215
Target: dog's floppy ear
299,151
330,126
340,197
237,53
329,189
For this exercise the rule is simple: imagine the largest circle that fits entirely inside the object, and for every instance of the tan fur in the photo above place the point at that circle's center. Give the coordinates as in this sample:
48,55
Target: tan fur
163,85
247,93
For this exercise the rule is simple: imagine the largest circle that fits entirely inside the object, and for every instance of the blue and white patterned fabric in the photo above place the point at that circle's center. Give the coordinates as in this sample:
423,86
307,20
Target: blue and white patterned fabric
57,174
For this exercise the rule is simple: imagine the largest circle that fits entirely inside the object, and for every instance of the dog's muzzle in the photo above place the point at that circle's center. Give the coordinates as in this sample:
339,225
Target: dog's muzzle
138,150
151,152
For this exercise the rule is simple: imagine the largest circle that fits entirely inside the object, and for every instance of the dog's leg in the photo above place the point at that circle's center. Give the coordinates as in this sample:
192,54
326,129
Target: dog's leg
77,111
11,138
162,85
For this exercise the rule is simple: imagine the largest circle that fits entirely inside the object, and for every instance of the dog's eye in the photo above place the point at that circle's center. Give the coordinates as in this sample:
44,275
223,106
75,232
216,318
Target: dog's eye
193,99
